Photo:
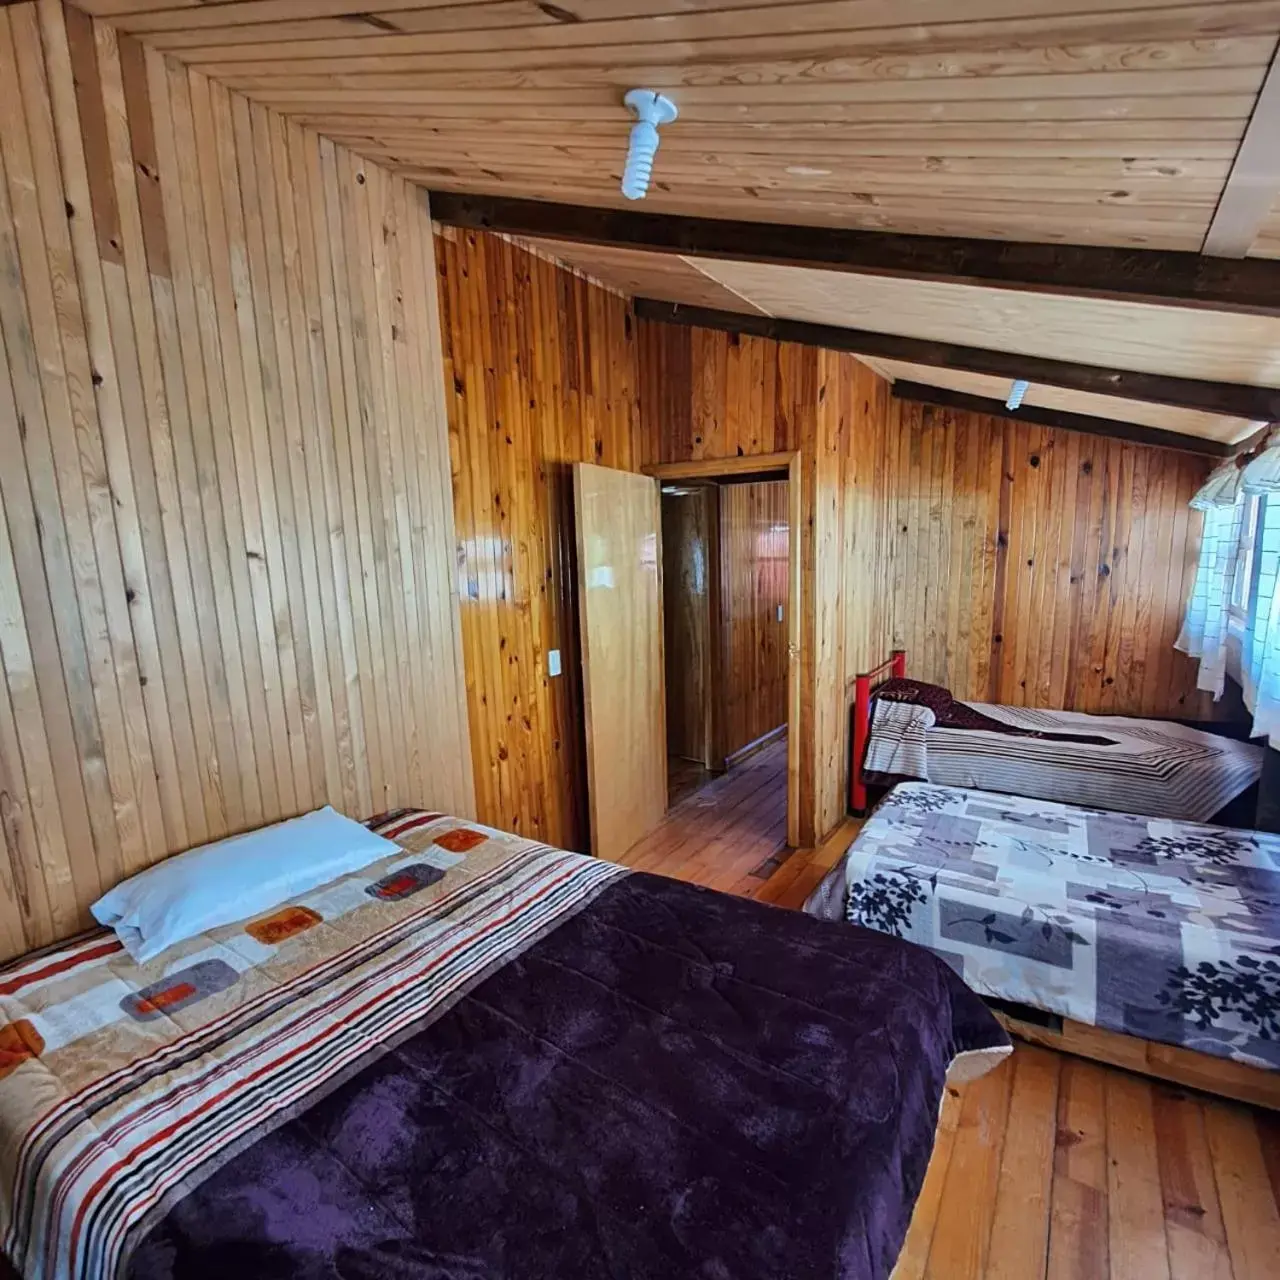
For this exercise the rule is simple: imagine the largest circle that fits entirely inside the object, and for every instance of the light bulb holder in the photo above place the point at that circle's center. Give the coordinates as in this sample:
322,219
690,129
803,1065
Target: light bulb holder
651,110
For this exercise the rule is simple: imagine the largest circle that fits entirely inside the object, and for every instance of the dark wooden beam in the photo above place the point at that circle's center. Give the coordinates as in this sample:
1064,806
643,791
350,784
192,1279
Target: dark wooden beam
1226,398
1083,422
1132,275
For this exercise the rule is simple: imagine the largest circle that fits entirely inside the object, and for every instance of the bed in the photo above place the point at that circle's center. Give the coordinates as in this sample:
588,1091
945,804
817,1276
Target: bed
1167,933
481,1057
908,729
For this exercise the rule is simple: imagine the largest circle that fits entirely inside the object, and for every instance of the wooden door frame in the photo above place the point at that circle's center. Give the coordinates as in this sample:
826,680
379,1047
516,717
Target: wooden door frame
790,463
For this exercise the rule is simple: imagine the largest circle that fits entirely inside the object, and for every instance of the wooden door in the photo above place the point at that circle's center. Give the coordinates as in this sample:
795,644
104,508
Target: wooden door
620,616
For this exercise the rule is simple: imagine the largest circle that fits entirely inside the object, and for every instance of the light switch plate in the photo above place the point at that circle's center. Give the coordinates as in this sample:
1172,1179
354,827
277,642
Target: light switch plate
779,613
553,662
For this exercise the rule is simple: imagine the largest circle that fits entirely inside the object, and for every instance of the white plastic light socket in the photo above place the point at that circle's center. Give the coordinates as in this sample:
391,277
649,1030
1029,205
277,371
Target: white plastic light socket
651,110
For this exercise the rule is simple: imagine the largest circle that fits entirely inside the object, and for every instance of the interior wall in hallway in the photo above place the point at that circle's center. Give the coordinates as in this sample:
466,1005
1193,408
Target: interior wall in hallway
754,551
226,536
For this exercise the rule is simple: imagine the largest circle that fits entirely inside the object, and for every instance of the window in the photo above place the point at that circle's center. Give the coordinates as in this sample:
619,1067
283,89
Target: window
1243,581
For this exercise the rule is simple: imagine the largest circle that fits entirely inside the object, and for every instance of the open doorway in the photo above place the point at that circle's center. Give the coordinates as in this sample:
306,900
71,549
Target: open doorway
727,615
733,731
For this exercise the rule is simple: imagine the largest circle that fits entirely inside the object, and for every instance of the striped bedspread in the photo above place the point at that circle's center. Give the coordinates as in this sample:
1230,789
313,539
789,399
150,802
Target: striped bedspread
122,1086
1153,767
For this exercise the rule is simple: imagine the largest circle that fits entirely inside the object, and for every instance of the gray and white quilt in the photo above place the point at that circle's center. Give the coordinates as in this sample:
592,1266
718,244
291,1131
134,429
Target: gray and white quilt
1155,767
1165,930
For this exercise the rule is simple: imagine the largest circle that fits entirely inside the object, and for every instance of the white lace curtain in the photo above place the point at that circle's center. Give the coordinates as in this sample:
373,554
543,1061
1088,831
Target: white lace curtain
1205,629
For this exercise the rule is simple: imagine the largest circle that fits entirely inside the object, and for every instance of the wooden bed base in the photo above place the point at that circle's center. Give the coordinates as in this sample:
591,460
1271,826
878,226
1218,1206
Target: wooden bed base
1168,1062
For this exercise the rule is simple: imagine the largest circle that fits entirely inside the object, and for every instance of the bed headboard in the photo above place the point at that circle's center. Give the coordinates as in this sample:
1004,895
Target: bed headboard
894,667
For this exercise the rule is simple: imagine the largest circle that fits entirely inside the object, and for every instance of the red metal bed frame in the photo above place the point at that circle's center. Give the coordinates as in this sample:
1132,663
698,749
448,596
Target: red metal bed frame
894,667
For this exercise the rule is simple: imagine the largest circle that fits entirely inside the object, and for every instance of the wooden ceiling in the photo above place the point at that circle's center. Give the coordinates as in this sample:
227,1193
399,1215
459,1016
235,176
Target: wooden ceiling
1194,343
1090,122
1084,121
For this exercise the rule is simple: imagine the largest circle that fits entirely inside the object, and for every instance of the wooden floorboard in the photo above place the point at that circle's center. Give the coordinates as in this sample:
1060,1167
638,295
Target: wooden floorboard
1052,1167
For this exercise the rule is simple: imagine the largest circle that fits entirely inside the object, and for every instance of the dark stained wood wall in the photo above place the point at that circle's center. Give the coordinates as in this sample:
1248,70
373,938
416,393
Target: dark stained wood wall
707,395
540,373
1013,563
689,580
225,513
752,684
1040,567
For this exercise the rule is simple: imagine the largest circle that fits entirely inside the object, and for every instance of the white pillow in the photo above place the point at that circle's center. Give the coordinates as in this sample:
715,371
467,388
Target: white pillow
235,879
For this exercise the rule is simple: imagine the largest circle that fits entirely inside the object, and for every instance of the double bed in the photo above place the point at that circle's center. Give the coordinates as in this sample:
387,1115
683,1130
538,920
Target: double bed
478,1056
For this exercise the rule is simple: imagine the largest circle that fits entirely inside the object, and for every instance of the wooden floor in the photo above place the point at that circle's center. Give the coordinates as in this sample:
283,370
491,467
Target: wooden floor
1050,1168
684,777
732,833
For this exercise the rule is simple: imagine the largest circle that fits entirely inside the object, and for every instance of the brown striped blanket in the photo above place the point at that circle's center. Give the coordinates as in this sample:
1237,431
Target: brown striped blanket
1157,768
119,1082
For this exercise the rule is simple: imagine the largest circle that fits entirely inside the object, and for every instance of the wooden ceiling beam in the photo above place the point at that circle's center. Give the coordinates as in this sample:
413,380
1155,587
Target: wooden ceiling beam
1086,423
1159,277
1259,404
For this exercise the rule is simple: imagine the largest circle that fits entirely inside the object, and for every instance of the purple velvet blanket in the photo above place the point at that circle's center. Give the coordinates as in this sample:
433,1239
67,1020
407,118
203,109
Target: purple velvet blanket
673,1082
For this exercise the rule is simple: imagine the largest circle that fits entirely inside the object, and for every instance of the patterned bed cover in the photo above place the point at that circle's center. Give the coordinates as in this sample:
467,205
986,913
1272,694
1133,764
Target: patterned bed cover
1169,931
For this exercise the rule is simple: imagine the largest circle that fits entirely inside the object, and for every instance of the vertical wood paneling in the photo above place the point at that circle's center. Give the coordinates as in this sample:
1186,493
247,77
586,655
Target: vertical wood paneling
754,539
1058,562
688,578
226,553
1014,563
715,395
540,373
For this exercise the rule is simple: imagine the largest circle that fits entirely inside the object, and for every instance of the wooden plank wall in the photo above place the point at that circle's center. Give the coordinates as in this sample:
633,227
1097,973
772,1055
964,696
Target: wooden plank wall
540,367
753,559
712,395
225,554
688,581
1014,563
1040,567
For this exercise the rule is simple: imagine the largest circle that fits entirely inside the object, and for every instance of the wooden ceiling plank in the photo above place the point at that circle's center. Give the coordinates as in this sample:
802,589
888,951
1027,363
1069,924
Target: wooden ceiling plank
687,63
772,29
1175,279
1254,182
295,75
338,101
1113,428
1225,398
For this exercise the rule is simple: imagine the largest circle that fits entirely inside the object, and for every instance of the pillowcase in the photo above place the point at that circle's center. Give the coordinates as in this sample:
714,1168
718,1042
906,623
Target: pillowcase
235,879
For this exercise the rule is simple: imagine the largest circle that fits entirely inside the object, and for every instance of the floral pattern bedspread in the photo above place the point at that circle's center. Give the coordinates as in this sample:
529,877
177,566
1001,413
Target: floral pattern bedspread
1165,930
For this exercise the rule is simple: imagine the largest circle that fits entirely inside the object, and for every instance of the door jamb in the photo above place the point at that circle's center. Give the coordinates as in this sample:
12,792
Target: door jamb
788,461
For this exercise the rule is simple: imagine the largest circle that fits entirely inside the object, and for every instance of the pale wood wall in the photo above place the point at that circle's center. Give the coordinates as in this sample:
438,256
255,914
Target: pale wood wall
752,683
225,557
1039,567
540,367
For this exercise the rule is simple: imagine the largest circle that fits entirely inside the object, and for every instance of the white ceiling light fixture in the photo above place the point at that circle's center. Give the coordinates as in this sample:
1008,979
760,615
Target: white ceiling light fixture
1016,392
651,110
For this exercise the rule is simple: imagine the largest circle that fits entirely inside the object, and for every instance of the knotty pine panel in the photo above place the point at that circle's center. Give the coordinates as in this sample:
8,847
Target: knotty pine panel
1040,567
754,538
540,373
225,552
1014,563
706,395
